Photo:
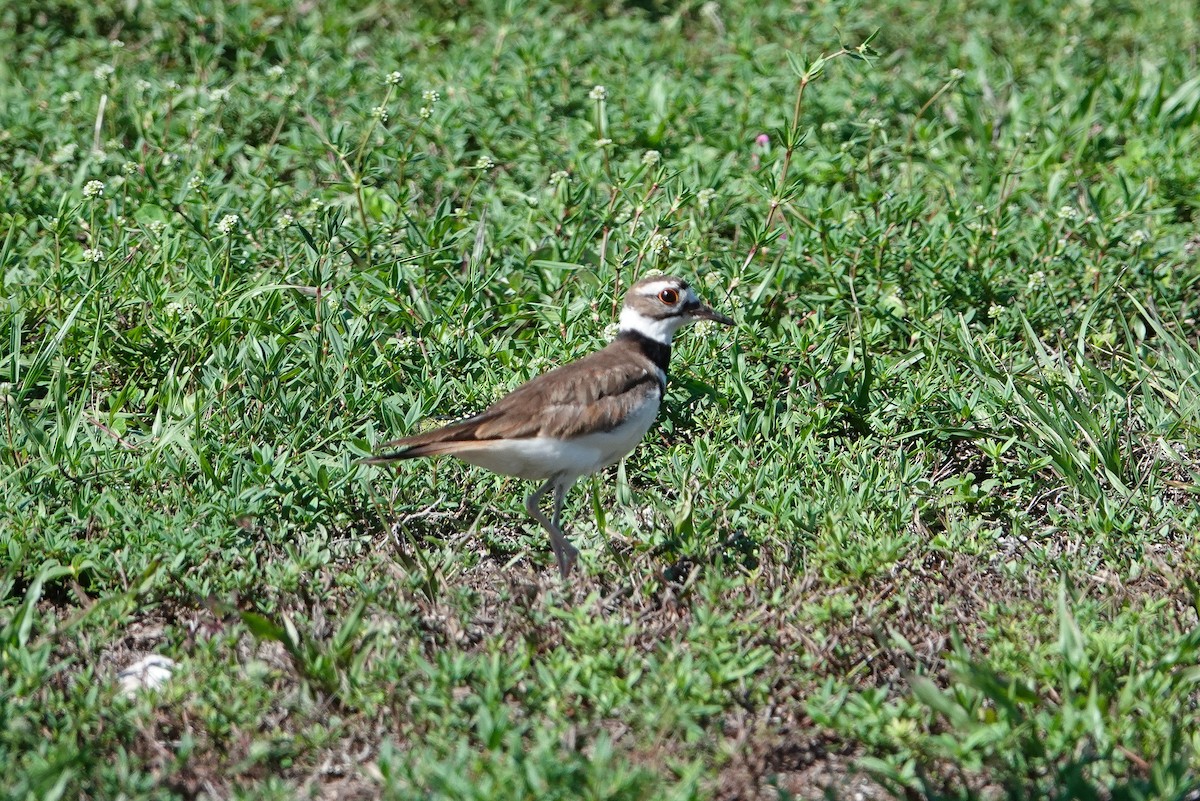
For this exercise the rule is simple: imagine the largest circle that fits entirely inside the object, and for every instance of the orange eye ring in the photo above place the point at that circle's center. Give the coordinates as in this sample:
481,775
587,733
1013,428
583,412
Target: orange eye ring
669,297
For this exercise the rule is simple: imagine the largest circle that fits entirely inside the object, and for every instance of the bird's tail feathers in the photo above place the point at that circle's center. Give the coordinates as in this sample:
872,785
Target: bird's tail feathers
388,458
407,451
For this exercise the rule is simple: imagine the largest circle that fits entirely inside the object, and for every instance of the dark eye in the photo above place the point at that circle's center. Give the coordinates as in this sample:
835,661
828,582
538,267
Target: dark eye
669,297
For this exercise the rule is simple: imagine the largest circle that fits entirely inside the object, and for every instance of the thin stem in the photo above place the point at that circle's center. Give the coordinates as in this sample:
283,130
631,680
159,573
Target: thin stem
408,153
351,174
358,153
466,204
812,73
912,129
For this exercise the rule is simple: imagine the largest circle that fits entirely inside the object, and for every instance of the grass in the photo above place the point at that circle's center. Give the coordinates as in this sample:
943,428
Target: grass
922,525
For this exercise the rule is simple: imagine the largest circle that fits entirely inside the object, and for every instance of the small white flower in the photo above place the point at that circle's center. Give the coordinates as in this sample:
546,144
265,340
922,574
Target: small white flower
558,177
380,113
219,95
404,342
875,124
93,189
93,254
65,153
995,310
174,308
228,223
70,98
130,168
604,142
1037,280
651,157
169,159
285,220
1139,237
957,74
538,364
156,227
598,93
704,197
660,245
141,85
484,163
116,44
393,78
610,331
194,183
829,127
425,112
431,96
1068,213
276,71
103,72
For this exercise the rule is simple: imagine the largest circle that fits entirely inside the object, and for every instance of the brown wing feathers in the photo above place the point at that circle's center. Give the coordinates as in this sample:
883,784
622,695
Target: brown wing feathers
594,393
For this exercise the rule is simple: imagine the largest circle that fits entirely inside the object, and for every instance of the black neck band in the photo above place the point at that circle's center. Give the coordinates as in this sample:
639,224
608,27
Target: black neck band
653,350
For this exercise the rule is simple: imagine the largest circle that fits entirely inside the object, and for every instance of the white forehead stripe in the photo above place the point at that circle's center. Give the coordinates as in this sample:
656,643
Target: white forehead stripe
658,286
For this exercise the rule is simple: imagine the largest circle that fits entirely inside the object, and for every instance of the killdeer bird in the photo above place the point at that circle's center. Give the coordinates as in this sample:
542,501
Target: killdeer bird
578,418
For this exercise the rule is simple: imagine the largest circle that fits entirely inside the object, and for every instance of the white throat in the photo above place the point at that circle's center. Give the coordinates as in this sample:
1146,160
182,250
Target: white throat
658,330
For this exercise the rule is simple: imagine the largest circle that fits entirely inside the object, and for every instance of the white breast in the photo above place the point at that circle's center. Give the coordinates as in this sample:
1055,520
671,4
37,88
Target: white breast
543,457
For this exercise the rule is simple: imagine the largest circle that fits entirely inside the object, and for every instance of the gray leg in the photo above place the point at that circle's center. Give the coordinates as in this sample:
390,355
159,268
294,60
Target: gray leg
564,552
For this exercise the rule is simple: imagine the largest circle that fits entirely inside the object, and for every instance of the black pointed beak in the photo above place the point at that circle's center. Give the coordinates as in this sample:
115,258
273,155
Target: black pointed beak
703,312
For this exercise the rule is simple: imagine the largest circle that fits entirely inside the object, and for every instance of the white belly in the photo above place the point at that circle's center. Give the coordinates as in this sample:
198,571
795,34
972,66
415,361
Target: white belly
543,457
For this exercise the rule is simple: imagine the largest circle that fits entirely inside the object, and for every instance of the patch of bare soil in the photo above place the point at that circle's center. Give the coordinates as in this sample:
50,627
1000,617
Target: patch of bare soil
777,748
799,764
900,622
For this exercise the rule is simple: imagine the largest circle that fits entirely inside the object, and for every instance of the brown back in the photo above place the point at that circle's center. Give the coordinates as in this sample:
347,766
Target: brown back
594,393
